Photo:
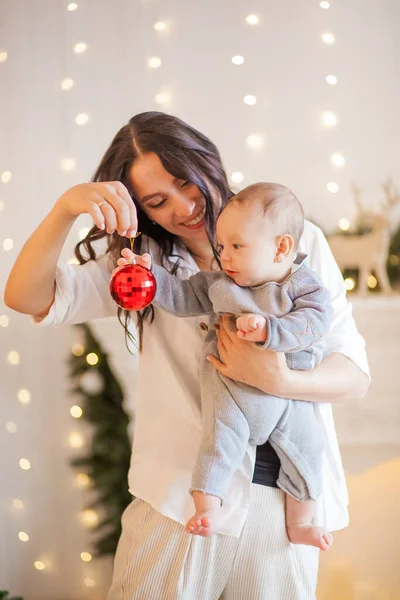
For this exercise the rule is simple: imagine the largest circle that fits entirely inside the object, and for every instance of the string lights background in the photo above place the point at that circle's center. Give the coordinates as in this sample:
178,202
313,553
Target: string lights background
303,93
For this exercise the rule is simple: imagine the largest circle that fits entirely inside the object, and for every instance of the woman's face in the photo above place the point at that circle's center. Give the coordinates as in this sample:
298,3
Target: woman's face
177,205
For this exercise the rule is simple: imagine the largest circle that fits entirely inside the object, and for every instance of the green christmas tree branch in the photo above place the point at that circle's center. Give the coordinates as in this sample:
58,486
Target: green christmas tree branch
107,459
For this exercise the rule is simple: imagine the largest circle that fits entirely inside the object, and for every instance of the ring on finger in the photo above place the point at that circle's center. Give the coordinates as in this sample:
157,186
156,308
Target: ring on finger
102,202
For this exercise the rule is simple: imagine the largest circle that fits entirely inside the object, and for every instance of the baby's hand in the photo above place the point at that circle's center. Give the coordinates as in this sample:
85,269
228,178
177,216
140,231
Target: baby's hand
253,328
127,256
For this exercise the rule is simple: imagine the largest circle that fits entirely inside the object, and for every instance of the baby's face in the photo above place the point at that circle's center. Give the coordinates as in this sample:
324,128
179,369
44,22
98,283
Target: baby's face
246,245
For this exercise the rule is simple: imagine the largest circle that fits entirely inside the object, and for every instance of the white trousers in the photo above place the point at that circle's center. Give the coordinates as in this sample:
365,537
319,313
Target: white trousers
157,560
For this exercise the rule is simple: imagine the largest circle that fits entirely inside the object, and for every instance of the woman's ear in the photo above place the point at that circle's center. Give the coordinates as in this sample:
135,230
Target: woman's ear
284,247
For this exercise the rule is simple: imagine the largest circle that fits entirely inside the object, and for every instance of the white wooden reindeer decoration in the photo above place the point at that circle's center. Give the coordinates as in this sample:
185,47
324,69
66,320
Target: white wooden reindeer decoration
369,251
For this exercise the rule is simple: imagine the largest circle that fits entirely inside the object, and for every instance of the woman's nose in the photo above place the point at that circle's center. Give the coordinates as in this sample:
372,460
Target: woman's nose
184,206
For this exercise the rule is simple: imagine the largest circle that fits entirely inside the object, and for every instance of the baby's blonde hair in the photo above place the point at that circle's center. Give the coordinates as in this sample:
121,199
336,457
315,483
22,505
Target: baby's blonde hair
278,204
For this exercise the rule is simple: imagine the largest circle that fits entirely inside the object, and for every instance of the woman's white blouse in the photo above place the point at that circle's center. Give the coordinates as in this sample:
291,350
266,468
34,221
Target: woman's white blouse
168,416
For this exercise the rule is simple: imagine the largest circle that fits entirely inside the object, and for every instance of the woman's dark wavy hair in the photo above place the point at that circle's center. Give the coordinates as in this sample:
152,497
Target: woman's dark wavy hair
185,153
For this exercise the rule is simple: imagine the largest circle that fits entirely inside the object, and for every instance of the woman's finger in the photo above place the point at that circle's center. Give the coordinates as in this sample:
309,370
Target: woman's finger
109,216
220,366
221,345
118,210
107,211
97,215
222,341
225,335
119,205
107,201
124,194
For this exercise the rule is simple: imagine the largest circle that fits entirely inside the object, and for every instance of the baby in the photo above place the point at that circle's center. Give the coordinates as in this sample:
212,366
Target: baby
277,302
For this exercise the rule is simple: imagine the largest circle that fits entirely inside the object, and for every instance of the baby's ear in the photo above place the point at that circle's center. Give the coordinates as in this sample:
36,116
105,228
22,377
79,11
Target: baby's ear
284,247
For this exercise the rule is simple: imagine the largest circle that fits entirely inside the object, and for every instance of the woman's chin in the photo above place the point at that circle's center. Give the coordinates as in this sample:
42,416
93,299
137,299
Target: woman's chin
194,232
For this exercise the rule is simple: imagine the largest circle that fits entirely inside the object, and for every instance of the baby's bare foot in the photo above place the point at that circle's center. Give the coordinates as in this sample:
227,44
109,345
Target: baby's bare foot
309,535
203,524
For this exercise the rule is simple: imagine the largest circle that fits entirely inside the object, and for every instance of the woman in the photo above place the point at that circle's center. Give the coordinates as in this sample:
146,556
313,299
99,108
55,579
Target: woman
176,179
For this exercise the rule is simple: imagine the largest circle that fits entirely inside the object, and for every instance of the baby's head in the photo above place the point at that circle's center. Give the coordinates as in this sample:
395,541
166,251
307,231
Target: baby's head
258,232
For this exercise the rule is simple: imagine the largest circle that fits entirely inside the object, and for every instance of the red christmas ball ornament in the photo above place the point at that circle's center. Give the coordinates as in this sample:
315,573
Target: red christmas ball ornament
133,287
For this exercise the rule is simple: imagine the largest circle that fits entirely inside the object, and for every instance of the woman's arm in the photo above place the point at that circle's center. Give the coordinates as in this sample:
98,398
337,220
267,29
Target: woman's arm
335,379
342,375
31,285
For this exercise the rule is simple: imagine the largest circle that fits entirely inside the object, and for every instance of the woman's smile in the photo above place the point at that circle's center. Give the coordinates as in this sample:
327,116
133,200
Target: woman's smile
197,221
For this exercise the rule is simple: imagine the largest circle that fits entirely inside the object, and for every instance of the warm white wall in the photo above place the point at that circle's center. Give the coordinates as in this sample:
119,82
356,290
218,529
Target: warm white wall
363,562
285,68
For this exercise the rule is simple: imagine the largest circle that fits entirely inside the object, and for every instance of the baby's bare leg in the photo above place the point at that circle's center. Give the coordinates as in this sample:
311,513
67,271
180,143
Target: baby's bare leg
205,520
300,530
